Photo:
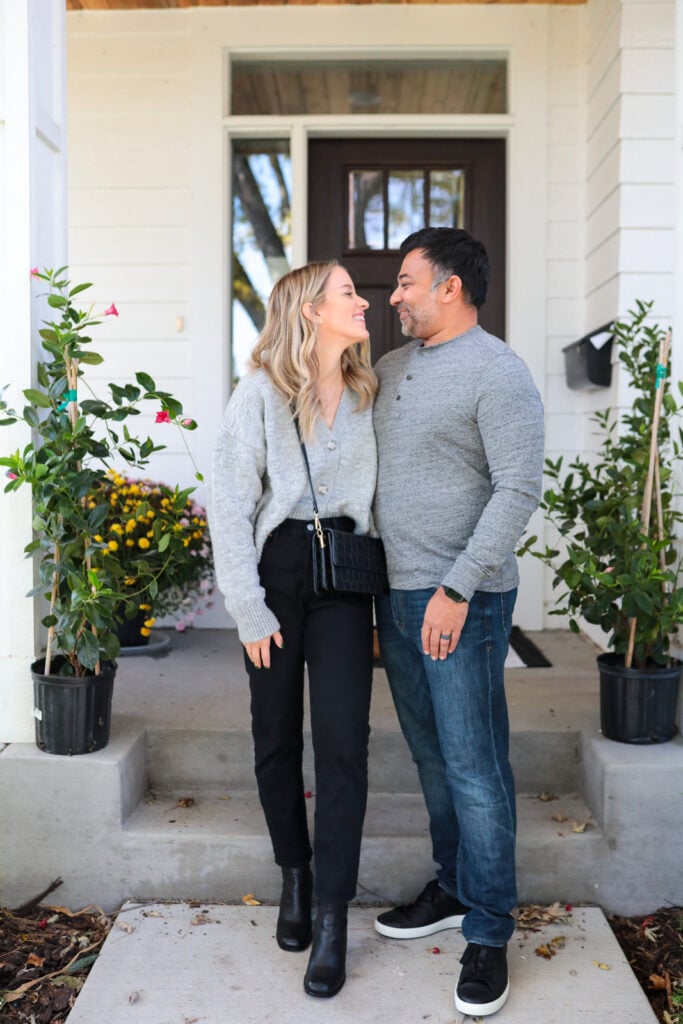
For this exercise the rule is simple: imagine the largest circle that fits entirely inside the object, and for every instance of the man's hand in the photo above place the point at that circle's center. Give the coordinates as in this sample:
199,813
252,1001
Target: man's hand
442,625
259,651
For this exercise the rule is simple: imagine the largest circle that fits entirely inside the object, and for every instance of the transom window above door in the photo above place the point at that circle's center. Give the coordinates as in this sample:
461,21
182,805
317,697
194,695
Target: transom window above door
385,205
378,86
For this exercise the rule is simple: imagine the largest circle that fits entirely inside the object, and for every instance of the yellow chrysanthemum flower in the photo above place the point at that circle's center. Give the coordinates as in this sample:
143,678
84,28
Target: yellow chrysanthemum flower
130,543
130,580
113,545
117,528
98,538
130,525
144,631
143,543
144,607
186,541
150,622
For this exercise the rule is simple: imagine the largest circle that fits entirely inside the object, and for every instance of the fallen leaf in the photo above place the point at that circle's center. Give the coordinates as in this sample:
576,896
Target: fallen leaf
603,967
560,817
35,961
133,997
658,982
537,915
125,927
226,797
581,826
547,797
202,919
251,900
549,950
151,913
652,934
184,801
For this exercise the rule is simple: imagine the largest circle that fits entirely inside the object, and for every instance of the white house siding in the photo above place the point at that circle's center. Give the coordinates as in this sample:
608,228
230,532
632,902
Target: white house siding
32,233
129,106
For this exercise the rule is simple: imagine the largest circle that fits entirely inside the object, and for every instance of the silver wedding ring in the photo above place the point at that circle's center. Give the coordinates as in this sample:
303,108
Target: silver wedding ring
445,636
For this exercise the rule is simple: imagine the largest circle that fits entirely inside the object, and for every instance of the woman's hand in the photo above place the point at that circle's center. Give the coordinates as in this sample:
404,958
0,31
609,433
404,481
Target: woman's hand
258,652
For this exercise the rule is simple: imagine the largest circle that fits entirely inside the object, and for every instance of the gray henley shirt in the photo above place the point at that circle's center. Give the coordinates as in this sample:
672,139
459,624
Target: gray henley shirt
459,430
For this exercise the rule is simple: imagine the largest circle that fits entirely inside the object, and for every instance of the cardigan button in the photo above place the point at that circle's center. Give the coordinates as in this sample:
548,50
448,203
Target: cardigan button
322,489
331,445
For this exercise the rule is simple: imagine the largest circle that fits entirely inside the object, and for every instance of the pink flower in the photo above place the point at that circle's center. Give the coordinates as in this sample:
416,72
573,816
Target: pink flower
11,475
34,271
163,416
112,311
188,423
180,626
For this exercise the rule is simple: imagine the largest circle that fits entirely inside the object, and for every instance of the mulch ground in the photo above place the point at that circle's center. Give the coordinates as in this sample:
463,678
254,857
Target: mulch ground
654,948
45,956
46,953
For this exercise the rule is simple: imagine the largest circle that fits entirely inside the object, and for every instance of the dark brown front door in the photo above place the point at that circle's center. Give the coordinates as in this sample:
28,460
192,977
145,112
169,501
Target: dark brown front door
366,195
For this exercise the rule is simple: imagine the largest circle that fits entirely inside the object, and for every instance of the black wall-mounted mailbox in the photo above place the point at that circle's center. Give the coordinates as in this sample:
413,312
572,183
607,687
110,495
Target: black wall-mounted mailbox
588,361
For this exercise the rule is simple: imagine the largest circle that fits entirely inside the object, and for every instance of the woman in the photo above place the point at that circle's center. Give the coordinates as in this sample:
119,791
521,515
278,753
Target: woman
311,361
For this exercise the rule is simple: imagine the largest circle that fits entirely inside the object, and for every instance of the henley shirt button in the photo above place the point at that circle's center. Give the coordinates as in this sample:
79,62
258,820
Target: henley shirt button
331,445
322,489
409,376
309,526
398,398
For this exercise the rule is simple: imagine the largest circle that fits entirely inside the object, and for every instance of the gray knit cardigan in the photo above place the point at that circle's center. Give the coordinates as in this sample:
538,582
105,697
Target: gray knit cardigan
259,476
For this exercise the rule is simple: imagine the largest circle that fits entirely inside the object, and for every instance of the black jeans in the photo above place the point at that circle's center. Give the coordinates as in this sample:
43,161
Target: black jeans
332,635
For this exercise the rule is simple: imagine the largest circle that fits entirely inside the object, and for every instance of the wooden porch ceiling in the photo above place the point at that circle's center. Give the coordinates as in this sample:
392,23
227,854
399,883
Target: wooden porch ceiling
161,5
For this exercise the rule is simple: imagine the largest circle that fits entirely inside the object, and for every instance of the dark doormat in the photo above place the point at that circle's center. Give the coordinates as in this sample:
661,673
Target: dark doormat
523,647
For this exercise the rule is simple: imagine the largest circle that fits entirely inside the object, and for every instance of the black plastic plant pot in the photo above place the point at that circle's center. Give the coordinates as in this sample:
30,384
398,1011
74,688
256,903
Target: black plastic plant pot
129,630
637,705
73,715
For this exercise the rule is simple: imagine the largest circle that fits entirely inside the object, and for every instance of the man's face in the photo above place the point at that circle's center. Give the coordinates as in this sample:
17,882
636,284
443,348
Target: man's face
415,299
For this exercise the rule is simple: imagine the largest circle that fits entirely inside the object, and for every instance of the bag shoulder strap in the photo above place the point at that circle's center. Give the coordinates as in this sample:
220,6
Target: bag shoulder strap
316,515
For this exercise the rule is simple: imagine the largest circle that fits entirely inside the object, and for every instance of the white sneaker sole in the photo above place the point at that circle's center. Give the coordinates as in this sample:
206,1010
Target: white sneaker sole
419,933
482,1009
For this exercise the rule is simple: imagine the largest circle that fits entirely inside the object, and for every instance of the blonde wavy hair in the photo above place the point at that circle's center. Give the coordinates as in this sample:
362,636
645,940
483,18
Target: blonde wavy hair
286,346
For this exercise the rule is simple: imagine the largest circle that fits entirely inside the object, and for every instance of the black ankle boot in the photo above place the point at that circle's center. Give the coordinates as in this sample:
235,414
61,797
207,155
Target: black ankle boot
327,966
293,931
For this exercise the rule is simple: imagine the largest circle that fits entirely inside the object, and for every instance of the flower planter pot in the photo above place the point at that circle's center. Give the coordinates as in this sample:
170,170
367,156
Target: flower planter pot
73,715
128,631
637,705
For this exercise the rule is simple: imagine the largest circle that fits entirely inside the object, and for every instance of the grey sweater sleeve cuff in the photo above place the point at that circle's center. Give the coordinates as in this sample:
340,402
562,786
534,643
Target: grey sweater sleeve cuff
465,577
254,621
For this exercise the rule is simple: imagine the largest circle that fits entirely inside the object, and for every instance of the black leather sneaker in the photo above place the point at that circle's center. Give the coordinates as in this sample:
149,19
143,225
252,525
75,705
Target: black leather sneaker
483,986
433,911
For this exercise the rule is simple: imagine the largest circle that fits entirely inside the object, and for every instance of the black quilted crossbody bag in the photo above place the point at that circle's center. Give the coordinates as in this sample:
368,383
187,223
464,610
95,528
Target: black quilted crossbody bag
347,562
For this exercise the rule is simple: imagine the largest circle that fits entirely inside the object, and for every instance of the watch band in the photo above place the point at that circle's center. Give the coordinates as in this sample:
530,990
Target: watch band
454,595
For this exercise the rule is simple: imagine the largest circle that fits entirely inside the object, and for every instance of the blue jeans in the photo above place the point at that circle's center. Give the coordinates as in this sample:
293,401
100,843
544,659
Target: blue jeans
453,714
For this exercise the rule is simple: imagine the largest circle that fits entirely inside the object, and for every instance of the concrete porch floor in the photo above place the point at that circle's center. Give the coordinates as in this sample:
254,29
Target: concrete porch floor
181,728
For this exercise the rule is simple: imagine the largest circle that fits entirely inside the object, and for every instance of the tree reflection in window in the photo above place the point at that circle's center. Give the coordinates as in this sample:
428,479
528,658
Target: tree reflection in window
261,236
384,205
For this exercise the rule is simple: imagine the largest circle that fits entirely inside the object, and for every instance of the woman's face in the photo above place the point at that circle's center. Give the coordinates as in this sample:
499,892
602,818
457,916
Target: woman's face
340,317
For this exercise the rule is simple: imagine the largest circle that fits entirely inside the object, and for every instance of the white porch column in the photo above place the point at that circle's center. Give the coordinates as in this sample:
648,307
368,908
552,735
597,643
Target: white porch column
32,233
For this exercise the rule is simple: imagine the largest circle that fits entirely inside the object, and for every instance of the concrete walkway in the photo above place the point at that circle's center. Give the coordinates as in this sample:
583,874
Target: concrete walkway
218,964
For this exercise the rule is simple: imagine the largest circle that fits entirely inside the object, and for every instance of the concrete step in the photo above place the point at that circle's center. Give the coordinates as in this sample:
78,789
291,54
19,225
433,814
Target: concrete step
210,759
219,848
218,964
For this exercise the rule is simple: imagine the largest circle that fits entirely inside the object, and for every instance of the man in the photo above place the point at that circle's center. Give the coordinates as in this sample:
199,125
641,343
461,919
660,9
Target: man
459,428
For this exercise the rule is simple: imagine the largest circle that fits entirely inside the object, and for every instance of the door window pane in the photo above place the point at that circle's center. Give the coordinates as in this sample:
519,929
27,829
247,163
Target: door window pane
447,199
261,236
406,191
366,210
360,87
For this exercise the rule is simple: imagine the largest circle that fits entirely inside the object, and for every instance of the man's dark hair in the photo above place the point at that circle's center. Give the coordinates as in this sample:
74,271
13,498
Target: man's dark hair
453,251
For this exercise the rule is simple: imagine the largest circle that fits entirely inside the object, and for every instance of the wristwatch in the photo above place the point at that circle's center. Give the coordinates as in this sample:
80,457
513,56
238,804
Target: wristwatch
454,595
